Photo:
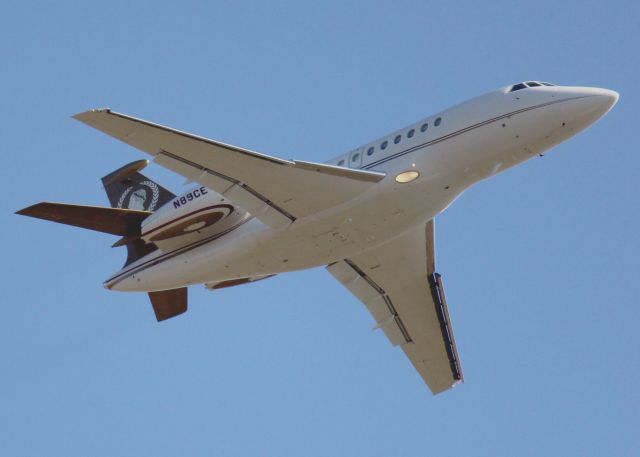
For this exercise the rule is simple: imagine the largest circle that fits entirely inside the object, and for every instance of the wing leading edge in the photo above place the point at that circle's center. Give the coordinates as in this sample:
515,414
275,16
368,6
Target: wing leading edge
274,190
405,296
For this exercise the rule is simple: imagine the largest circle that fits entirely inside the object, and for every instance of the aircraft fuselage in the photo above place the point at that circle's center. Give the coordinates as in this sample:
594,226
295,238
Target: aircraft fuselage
461,146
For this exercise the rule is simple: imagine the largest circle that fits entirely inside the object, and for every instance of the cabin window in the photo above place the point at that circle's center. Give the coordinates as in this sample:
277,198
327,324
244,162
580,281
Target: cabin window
384,145
397,139
355,157
424,127
341,163
437,121
410,133
370,151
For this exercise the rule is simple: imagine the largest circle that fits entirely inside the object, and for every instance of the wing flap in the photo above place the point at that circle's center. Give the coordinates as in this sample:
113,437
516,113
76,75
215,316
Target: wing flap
376,300
242,195
294,189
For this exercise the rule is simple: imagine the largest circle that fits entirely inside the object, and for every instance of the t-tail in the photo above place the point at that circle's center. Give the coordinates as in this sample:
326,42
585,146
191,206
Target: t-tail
133,198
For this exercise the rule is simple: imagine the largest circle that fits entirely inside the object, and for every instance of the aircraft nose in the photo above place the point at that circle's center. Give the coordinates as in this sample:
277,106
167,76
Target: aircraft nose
585,105
602,100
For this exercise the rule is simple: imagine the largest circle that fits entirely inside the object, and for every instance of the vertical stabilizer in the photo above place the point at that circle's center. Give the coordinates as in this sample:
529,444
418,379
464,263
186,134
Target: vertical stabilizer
128,188
169,303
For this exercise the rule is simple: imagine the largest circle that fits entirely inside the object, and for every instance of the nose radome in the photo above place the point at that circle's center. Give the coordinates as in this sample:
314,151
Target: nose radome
587,104
601,99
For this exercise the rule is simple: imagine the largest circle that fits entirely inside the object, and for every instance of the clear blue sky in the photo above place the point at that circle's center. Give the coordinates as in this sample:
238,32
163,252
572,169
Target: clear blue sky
540,264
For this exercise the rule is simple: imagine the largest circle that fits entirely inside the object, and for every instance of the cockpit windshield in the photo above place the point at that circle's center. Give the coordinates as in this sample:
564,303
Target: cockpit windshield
524,85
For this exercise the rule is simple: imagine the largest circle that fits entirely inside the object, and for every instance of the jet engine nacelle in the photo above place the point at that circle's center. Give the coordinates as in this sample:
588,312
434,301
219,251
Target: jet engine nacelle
195,215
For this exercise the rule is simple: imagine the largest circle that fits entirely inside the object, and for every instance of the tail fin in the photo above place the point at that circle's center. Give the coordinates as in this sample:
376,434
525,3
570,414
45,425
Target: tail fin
127,188
133,197
169,303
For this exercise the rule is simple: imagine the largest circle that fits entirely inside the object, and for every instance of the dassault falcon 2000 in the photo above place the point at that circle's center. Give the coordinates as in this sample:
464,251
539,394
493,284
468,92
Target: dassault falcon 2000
367,215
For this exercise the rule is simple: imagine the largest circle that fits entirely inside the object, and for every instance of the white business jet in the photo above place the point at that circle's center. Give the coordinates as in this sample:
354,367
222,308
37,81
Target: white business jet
367,215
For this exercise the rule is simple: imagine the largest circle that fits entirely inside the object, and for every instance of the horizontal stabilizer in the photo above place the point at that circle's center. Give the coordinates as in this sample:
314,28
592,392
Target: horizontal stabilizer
169,303
117,221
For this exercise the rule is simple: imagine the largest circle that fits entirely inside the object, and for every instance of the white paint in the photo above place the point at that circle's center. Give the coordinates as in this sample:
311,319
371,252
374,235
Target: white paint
469,145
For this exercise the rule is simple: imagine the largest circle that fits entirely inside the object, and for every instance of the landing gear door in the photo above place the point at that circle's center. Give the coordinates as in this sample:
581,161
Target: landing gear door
355,158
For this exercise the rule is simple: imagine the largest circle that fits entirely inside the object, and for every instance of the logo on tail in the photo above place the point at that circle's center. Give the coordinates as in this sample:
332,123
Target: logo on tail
127,188
142,196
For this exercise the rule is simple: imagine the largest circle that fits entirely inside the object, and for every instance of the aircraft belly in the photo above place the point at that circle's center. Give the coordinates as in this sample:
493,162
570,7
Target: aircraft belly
259,250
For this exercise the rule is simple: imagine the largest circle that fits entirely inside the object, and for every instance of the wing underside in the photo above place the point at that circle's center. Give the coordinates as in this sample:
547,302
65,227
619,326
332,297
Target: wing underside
276,191
405,296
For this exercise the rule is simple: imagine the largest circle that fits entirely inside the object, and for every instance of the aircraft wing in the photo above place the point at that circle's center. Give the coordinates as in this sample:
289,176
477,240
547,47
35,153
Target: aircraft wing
398,284
274,190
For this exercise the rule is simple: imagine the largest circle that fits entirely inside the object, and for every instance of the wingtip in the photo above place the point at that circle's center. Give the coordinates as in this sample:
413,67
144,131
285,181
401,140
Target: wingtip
86,114
28,211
